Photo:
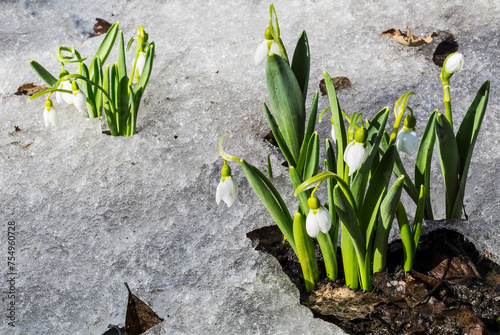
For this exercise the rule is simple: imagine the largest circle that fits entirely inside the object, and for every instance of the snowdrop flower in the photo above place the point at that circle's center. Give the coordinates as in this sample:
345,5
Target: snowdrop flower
318,219
79,99
141,60
356,153
407,140
65,85
50,114
454,63
267,47
227,190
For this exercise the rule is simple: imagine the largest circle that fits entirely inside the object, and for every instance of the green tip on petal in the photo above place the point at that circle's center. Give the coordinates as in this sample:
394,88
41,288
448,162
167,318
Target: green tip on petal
313,203
361,135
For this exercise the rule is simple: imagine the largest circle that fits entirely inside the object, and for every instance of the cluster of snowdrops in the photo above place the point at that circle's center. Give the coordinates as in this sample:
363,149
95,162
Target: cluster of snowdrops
95,91
361,158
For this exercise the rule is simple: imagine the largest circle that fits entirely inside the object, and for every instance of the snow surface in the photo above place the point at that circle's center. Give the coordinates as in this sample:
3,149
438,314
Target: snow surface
93,211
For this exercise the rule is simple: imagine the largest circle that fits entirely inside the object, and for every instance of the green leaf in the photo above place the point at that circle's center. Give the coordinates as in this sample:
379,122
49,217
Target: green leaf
43,74
375,132
329,255
107,43
419,216
123,94
312,161
148,67
375,193
406,237
467,135
108,112
305,251
331,165
449,159
296,181
387,212
423,162
271,199
338,124
286,102
301,63
311,124
278,137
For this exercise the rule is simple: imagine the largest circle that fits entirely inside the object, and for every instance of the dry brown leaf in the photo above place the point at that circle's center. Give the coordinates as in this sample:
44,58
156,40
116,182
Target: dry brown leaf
407,38
139,317
101,27
338,82
29,89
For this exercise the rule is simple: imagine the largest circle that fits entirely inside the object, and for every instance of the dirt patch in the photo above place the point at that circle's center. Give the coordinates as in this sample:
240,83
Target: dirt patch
452,290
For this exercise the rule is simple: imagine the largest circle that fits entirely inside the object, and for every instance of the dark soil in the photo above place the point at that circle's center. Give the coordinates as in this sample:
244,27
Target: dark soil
452,290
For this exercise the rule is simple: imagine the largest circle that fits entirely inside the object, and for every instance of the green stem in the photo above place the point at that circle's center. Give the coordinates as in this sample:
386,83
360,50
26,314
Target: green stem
447,100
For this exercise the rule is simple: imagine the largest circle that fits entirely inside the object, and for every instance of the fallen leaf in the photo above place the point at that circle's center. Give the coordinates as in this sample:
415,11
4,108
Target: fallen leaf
101,27
139,317
338,82
29,89
27,145
448,46
407,38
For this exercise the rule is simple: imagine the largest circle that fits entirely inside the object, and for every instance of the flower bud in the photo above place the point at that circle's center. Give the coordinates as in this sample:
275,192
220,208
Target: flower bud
454,63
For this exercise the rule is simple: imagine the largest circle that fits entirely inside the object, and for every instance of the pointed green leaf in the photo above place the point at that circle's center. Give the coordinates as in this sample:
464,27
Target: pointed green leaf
311,124
275,206
286,102
406,237
107,43
467,135
278,137
449,159
305,251
43,74
387,212
331,165
303,196
301,63
148,68
312,161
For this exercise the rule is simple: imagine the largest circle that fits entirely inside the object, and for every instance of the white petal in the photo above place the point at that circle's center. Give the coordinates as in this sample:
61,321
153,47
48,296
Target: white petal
407,141
333,134
261,53
227,191
141,60
312,226
80,101
354,155
53,116
323,219
454,63
275,49
46,117
67,97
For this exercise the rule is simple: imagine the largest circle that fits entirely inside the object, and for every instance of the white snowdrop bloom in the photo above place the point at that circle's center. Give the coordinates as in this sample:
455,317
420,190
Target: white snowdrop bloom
454,63
66,97
355,155
79,99
267,47
318,220
407,141
50,115
141,60
227,191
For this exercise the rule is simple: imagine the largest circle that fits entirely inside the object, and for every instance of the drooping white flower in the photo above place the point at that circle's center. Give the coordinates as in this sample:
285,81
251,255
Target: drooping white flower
355,155
318,219
407,141
50,115
227,191
454,63
141,60
66,97
79,99
267,47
